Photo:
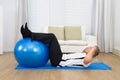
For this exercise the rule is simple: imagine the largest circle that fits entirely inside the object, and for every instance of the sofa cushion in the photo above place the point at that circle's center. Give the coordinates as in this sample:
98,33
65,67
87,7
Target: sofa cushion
73,33
61,42
58,31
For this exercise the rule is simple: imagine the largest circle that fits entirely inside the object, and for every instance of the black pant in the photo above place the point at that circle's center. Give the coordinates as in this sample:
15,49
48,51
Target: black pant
55,53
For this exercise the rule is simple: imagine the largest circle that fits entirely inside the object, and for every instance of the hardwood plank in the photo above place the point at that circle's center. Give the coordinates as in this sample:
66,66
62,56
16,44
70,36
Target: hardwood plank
8,72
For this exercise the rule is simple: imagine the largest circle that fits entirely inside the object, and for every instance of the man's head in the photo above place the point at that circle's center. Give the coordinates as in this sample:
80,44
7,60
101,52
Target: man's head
95,48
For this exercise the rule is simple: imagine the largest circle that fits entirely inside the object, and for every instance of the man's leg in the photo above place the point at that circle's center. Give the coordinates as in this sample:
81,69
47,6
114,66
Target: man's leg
50,39
73,60
54,47
55,52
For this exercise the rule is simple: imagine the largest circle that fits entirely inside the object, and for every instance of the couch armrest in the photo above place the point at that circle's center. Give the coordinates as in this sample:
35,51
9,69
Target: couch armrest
91,39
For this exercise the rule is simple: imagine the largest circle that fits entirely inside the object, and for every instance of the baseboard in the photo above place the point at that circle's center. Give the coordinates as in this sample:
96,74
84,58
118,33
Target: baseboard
8,50
116,51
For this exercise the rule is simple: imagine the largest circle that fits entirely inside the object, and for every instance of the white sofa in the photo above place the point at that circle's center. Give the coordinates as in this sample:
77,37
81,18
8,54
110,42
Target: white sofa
72,38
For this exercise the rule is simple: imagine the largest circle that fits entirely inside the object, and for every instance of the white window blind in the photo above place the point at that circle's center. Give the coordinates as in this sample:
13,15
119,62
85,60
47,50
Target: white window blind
78,12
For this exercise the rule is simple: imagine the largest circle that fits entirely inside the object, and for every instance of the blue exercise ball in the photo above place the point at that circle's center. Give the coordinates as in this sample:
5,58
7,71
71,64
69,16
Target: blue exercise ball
31,53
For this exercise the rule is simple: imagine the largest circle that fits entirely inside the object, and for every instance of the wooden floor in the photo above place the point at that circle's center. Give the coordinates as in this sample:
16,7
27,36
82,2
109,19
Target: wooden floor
8,72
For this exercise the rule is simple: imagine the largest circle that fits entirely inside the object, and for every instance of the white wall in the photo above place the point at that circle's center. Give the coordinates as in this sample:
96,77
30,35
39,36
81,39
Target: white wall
9,23
116,25
71,12
1,30
78,12
56,15
51,13
42,13
38,14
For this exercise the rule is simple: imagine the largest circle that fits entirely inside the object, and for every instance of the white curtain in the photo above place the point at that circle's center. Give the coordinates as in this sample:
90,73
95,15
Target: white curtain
1,30
104,25
22,16
35,13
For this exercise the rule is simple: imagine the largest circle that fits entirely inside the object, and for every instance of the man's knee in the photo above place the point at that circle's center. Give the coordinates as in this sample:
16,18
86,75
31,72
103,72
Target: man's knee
52,35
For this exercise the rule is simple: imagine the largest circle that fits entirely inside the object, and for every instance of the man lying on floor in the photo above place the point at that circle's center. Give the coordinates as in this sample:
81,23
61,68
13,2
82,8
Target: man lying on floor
57,58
